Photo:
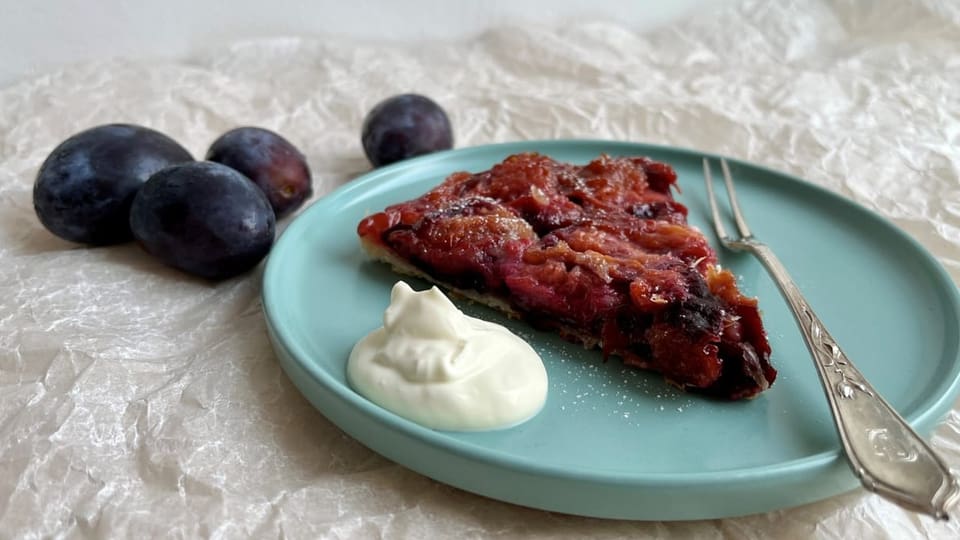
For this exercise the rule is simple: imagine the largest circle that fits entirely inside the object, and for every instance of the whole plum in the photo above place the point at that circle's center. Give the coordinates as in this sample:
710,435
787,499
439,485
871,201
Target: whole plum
272,162
405,126
84,188
203,218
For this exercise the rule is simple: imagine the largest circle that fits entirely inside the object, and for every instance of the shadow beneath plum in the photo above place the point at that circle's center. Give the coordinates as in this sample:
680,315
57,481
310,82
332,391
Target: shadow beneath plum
37,240
132,256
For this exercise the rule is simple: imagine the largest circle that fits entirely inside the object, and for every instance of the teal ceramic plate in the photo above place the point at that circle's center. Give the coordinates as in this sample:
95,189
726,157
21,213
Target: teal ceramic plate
614,442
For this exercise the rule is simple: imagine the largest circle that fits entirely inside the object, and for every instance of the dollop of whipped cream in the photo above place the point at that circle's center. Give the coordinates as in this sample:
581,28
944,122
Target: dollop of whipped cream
436,366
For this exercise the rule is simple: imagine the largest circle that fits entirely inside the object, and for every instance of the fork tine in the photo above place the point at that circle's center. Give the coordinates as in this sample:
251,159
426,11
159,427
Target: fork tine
734,202
717,222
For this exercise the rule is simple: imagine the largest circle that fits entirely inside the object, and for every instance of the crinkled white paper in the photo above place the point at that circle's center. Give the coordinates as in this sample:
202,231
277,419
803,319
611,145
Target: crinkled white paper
137,402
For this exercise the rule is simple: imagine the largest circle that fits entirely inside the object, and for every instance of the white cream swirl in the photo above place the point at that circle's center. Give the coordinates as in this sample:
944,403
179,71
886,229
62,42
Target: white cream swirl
434,365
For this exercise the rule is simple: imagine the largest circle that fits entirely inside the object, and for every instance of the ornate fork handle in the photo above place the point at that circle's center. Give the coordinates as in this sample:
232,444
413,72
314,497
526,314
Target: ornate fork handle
885,453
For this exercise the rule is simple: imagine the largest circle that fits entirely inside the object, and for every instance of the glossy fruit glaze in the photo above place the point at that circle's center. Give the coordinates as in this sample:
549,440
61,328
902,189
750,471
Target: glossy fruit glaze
601,253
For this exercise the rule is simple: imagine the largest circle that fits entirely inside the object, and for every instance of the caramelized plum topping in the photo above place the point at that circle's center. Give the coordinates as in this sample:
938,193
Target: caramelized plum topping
601,252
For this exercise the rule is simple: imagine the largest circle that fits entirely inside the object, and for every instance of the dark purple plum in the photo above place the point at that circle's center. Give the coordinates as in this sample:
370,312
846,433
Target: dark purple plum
275,165
405,126
85,186
203,218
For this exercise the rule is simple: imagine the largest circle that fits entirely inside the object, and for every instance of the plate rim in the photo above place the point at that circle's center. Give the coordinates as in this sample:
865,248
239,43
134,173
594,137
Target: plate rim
924,416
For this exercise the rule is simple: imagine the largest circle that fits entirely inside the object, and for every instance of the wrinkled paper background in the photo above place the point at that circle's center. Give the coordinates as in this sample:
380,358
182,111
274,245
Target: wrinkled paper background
137,402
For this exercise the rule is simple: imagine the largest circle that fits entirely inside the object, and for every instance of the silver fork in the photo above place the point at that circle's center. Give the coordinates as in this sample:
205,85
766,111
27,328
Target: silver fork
887,456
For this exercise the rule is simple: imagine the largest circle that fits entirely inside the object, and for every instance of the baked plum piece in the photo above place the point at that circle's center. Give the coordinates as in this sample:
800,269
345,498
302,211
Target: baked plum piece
600,253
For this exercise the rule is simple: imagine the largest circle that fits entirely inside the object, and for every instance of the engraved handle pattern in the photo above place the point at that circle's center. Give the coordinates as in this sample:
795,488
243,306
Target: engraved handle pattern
884,452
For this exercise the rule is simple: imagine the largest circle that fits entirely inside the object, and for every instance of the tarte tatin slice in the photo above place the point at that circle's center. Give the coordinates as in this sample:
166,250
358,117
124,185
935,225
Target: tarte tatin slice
601,253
